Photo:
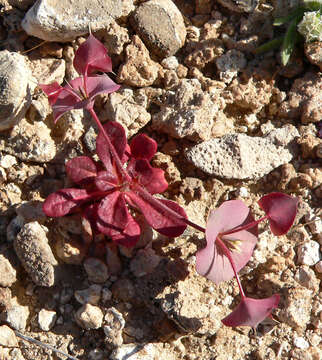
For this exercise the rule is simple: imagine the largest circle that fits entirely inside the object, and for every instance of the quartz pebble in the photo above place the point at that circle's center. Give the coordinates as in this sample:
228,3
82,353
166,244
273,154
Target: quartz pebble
7,337
89,317
46,319
8,273
16,316
96,270
308,253
301,343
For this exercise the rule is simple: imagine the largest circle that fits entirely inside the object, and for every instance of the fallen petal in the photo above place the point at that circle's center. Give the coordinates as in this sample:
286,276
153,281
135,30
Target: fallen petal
250,312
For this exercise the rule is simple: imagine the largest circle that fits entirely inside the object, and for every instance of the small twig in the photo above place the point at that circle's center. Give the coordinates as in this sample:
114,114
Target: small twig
46,346
34,47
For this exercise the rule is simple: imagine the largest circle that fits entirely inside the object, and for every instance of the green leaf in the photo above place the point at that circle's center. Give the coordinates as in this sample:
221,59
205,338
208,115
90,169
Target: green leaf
297,13
270,45
312,5
289,42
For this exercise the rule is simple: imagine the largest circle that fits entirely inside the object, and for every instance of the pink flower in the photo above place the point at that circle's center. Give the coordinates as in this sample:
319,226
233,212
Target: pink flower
80,93
215,260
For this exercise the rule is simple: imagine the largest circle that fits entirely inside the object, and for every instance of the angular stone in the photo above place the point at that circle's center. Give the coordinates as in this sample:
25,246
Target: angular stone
7,337
64,20
313,52
139,69
16,316
89,317
16,88
239,156
96,270
164,40
308,253
8,273
48,70
31,246
30,142
46,319
113,326
187,112
90,295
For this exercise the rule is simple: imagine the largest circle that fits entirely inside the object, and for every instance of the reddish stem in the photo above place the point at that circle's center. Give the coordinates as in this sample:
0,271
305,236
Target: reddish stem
115,156
244,227
227,253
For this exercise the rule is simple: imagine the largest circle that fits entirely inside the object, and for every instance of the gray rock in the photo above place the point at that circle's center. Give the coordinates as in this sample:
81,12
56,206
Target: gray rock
64,20
187,112
31,246
229,64
144,262
30,142
163,40
113,326
7,337
46,319
89,317
239,156
239,5
96,270
8,273
16,88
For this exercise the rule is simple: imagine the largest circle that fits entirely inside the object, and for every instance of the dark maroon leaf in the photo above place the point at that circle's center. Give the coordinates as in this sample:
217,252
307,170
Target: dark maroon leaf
64,201
106,181
143,147
250,312
281,211
81,169
160,220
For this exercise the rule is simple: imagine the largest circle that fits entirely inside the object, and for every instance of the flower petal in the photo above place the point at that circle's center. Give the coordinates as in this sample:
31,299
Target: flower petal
143,147
228,216
158,219
152,179
115,220
64,201
116,133
213,263
250,312
92,56
81,169
281,210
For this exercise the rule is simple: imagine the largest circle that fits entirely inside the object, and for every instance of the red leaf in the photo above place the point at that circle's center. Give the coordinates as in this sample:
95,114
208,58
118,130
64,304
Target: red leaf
64,201
100,84
161,221
92,56
250,312
150,178
117,136
81,169
115,220
106,181
143,147
212,261
281,211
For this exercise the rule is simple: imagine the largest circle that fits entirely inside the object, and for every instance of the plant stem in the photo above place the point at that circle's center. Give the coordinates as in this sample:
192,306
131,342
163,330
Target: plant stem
227,253
244,227
115,156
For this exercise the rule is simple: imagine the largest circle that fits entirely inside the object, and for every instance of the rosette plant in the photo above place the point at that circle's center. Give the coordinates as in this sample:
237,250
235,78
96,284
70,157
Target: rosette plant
110,192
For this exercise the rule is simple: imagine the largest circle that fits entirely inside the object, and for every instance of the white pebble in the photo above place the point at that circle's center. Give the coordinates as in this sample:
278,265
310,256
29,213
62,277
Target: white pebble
308,253
301,343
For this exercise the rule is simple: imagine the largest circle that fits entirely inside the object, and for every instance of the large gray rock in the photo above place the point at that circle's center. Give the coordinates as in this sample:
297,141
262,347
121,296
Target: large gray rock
16,88
64,20
238,156
160,24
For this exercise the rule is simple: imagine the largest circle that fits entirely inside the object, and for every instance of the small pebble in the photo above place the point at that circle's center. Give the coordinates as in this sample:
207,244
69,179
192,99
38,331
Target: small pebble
301,343
7,337
106,295
308,253
96,270
90,295
17,317
8,273
89,317
46,319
